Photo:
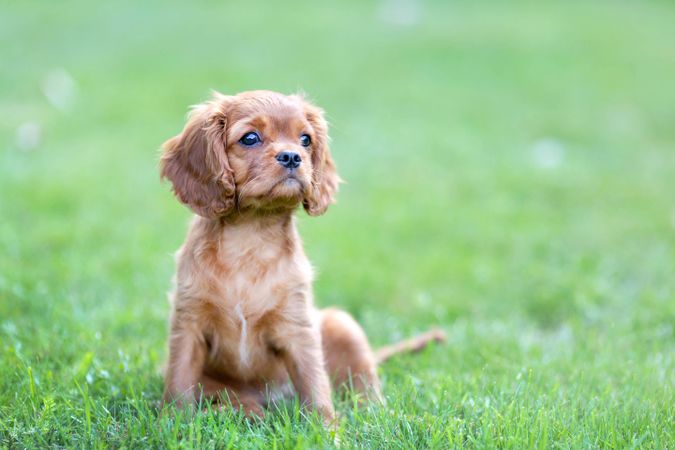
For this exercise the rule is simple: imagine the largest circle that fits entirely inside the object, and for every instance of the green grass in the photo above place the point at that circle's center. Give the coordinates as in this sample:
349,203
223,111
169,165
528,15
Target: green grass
510,171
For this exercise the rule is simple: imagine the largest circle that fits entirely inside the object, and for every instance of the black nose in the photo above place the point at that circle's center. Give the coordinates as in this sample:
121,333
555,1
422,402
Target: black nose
289,160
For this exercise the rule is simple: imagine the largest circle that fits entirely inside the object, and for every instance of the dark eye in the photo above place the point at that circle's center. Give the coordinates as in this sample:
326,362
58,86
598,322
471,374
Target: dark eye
305,140
250,139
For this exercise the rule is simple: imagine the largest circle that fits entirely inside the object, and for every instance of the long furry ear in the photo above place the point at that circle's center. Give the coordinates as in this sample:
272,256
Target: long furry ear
325,179
196,163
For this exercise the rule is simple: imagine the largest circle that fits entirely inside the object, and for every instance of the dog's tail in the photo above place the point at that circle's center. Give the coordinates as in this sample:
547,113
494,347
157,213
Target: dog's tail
411,345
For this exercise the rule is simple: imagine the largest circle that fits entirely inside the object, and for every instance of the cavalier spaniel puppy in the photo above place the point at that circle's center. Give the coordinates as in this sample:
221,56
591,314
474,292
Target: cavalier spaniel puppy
243,323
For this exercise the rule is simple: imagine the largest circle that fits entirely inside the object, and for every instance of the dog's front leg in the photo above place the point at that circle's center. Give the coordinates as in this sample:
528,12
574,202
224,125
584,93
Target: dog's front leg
300,344
187,353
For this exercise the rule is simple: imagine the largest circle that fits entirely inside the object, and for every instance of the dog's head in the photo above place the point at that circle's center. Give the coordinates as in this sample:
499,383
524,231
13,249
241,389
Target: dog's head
257,150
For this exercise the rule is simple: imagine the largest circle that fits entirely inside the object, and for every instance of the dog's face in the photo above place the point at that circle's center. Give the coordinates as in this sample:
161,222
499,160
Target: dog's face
257,150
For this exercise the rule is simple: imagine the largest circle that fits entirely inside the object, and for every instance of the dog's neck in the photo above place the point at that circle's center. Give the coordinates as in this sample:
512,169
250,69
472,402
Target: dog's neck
252,232
252,216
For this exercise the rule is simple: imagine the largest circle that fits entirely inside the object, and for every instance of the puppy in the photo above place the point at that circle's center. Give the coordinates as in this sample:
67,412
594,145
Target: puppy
244,326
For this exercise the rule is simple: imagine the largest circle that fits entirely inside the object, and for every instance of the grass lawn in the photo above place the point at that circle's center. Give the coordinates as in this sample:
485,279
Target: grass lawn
510,174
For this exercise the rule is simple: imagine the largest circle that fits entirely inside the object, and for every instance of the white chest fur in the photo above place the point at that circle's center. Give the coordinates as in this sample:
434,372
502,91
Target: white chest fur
244,359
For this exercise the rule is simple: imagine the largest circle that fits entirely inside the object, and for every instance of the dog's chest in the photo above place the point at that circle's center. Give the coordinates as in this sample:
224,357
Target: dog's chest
249,282
246,301
237,311
237,345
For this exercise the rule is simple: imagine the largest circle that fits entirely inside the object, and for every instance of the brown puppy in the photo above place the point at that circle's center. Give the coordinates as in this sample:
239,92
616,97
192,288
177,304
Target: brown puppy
244,325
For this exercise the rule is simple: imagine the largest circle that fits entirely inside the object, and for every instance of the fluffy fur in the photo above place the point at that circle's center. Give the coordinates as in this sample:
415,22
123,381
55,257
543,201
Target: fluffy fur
244,326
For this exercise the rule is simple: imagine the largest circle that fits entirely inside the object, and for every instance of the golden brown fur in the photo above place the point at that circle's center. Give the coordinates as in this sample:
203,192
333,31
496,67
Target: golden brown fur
243,323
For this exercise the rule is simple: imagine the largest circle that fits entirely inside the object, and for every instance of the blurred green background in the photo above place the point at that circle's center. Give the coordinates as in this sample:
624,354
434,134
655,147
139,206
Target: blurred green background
509,171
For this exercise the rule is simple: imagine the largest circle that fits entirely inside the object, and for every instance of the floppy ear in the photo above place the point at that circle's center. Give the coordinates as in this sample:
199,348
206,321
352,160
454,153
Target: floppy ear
325,179
196,163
